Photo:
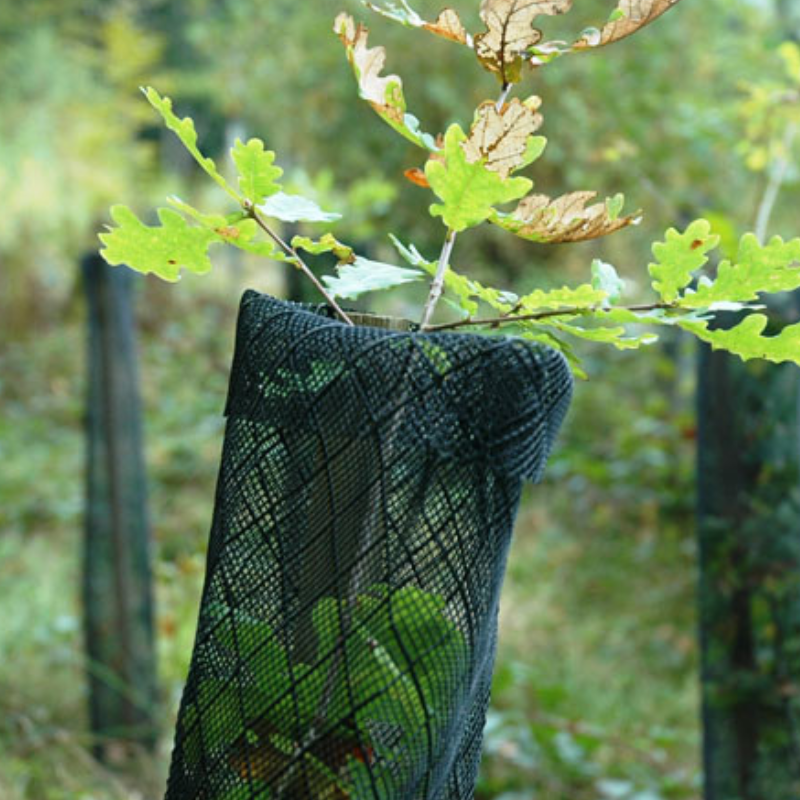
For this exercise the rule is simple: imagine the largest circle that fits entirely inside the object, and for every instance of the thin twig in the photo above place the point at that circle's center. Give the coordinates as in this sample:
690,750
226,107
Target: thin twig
508,319
777,178
298,261
437,287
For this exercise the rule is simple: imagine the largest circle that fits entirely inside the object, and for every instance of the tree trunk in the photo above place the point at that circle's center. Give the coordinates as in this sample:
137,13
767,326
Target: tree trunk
749,537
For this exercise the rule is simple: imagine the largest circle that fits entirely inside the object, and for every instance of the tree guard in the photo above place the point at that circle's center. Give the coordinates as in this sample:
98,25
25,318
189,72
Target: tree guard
369,483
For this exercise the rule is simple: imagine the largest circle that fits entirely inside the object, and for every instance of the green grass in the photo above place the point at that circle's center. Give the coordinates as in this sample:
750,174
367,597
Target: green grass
596,691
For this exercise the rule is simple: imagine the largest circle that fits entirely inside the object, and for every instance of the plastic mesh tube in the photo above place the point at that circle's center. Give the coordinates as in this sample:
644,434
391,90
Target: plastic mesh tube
368,487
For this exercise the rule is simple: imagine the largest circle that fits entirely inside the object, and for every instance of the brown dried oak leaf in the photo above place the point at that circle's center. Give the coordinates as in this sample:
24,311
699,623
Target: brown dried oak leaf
448,24
628,18
540,218
382,93
501,136
509,34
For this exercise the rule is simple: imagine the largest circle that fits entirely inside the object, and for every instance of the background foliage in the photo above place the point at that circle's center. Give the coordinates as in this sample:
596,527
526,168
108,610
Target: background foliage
596,692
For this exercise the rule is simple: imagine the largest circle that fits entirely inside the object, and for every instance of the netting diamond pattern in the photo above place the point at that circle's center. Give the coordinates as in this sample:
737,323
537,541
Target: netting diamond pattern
368,487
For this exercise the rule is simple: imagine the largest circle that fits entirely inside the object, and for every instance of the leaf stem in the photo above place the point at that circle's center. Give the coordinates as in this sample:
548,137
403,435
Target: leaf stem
298,261
507,87
508,319
437,287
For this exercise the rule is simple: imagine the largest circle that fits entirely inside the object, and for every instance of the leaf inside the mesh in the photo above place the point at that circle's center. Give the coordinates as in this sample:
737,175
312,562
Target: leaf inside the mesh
509,34
501,137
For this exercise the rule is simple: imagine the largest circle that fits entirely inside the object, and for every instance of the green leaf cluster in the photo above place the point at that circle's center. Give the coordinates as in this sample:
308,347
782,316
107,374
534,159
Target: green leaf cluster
404,657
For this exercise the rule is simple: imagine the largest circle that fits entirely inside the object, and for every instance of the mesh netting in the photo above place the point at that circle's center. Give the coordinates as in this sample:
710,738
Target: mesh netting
367,492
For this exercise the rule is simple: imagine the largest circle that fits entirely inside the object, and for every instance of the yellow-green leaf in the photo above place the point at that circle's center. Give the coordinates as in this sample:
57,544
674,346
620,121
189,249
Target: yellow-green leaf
679,256
163,250
184,129
747,339
468,191
774,267
258,175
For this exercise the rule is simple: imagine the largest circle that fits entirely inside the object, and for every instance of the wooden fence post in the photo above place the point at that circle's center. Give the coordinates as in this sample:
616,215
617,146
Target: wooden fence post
117,588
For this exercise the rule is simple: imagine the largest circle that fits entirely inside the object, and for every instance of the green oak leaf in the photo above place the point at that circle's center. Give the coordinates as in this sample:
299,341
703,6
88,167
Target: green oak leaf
185,131
162,250
679,257
617,336
774,267
294,208
584,296
747,341
327,244
469,192
364,275
258,175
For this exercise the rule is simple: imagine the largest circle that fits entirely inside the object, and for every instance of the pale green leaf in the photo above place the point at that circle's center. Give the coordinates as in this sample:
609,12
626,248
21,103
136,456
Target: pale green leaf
614,206
774,267
747,339
294,208
606,279
364,275
679,257
164,250
412,256
185,131
469,191
258,175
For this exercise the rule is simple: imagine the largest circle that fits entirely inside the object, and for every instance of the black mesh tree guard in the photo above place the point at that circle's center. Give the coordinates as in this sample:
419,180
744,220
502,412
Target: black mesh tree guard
369,483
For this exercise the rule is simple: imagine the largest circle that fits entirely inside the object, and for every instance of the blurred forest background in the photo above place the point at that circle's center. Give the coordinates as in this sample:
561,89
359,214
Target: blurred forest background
597,694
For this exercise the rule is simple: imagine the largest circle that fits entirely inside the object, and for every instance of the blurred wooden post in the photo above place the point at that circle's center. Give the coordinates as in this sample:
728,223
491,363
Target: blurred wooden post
117,590
749,538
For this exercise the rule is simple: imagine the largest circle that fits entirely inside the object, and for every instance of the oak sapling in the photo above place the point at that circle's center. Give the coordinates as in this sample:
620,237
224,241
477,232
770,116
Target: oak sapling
475,172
